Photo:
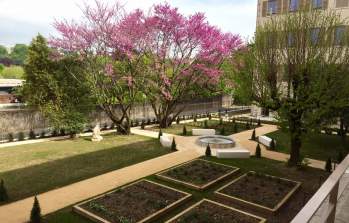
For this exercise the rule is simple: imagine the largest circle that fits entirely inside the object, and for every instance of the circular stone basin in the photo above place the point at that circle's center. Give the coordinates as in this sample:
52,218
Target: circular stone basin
216,141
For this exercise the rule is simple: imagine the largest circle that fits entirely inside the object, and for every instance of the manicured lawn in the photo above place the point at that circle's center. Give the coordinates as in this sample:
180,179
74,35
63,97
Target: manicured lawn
310,178
229,129
36,168
314,145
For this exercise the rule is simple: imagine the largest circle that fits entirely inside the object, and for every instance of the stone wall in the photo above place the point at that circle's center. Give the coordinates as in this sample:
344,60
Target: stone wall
22,120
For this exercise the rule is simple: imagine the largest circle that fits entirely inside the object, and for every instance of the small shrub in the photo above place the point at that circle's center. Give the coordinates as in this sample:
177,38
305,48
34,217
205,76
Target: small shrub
234,120
253,137
235,128
105,126
328,166
136,123
148,122
209,116
259,122
42,134
154,120
10,137
195,119
20,136
258,151
208,150
3,192
221,121
184,130
160,134
32,134
35,214
174,145
222,131
55,133
205,124
247,126
143,124
178,120
62,132
272,145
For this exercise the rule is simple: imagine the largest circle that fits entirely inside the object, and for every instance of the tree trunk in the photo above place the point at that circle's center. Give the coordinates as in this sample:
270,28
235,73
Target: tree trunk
296,141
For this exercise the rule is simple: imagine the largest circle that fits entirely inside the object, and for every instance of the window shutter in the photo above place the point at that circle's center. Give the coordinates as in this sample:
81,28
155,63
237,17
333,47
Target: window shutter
285,6
279,6
324,4
264,8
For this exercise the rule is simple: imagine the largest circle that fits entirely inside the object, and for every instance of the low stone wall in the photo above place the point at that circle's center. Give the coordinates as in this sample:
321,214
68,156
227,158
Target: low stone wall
22,120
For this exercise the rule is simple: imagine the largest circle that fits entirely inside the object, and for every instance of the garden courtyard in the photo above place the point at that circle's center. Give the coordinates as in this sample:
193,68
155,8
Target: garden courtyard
64,173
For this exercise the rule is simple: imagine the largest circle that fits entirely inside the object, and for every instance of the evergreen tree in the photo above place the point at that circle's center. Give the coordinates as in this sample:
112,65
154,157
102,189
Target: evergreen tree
35,214
160,134
208,150
3,192
253,137
258,153
184,130
328,166
143,124
174,145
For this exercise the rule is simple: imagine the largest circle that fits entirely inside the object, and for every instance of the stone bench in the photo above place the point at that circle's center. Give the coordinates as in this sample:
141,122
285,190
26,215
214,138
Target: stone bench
265,140
203,132
166,141
232,153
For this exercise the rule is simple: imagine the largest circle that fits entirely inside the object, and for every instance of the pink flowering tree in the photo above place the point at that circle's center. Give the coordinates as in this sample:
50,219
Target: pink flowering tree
183,56
111,65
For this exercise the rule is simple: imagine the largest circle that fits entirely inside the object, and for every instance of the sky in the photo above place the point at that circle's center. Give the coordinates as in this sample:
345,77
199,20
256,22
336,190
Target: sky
21,20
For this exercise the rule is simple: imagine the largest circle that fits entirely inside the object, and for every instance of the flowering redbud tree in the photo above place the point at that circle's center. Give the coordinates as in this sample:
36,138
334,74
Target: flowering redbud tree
111,66
183,56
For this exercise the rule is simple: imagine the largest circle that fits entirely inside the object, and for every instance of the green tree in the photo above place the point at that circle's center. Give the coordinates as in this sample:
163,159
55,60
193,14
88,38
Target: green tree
19,53
3,52
300,70
63,98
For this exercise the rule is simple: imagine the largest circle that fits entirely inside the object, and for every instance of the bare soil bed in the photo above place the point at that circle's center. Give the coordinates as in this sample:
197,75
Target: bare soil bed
138,202
207,211
263,190
198,174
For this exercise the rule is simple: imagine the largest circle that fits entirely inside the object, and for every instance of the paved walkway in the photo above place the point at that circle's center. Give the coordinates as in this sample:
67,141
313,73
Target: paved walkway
18,212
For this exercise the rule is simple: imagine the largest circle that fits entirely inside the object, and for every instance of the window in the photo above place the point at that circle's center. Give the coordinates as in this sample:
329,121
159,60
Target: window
342,3
339,35
294,4
317,4
272,7
314,35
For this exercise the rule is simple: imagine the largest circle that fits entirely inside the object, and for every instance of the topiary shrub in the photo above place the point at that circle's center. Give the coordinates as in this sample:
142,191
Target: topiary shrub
222,131
148,122
174,145
272,145
184,130
178,120
209,116
340,156
32,134
3,192
234,120
247,126
328,166
160,134
259,122
35,214
205,124
143,124
195,119
42,134
235,128
221,121
258,153
20,136
10,137
253,137
208,150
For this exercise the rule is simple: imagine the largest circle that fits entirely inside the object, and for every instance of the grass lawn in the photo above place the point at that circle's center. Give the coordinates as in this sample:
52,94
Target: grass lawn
314,145
229,129
311,179
36,168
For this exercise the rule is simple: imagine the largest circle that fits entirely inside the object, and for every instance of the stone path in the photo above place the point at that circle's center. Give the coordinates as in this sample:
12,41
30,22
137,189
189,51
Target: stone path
18,212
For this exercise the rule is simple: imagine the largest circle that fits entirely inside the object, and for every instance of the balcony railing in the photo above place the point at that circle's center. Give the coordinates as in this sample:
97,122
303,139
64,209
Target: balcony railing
322,206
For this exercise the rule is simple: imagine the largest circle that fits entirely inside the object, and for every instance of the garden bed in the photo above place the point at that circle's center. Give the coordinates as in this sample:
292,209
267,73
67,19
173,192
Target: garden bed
213,212
141,201
262,192
198,174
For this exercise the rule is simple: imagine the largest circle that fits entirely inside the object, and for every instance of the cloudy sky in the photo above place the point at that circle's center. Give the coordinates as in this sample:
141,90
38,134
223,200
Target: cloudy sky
21,20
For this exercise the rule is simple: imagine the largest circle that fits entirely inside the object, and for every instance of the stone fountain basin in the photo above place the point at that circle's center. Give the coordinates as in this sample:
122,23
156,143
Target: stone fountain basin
216,141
